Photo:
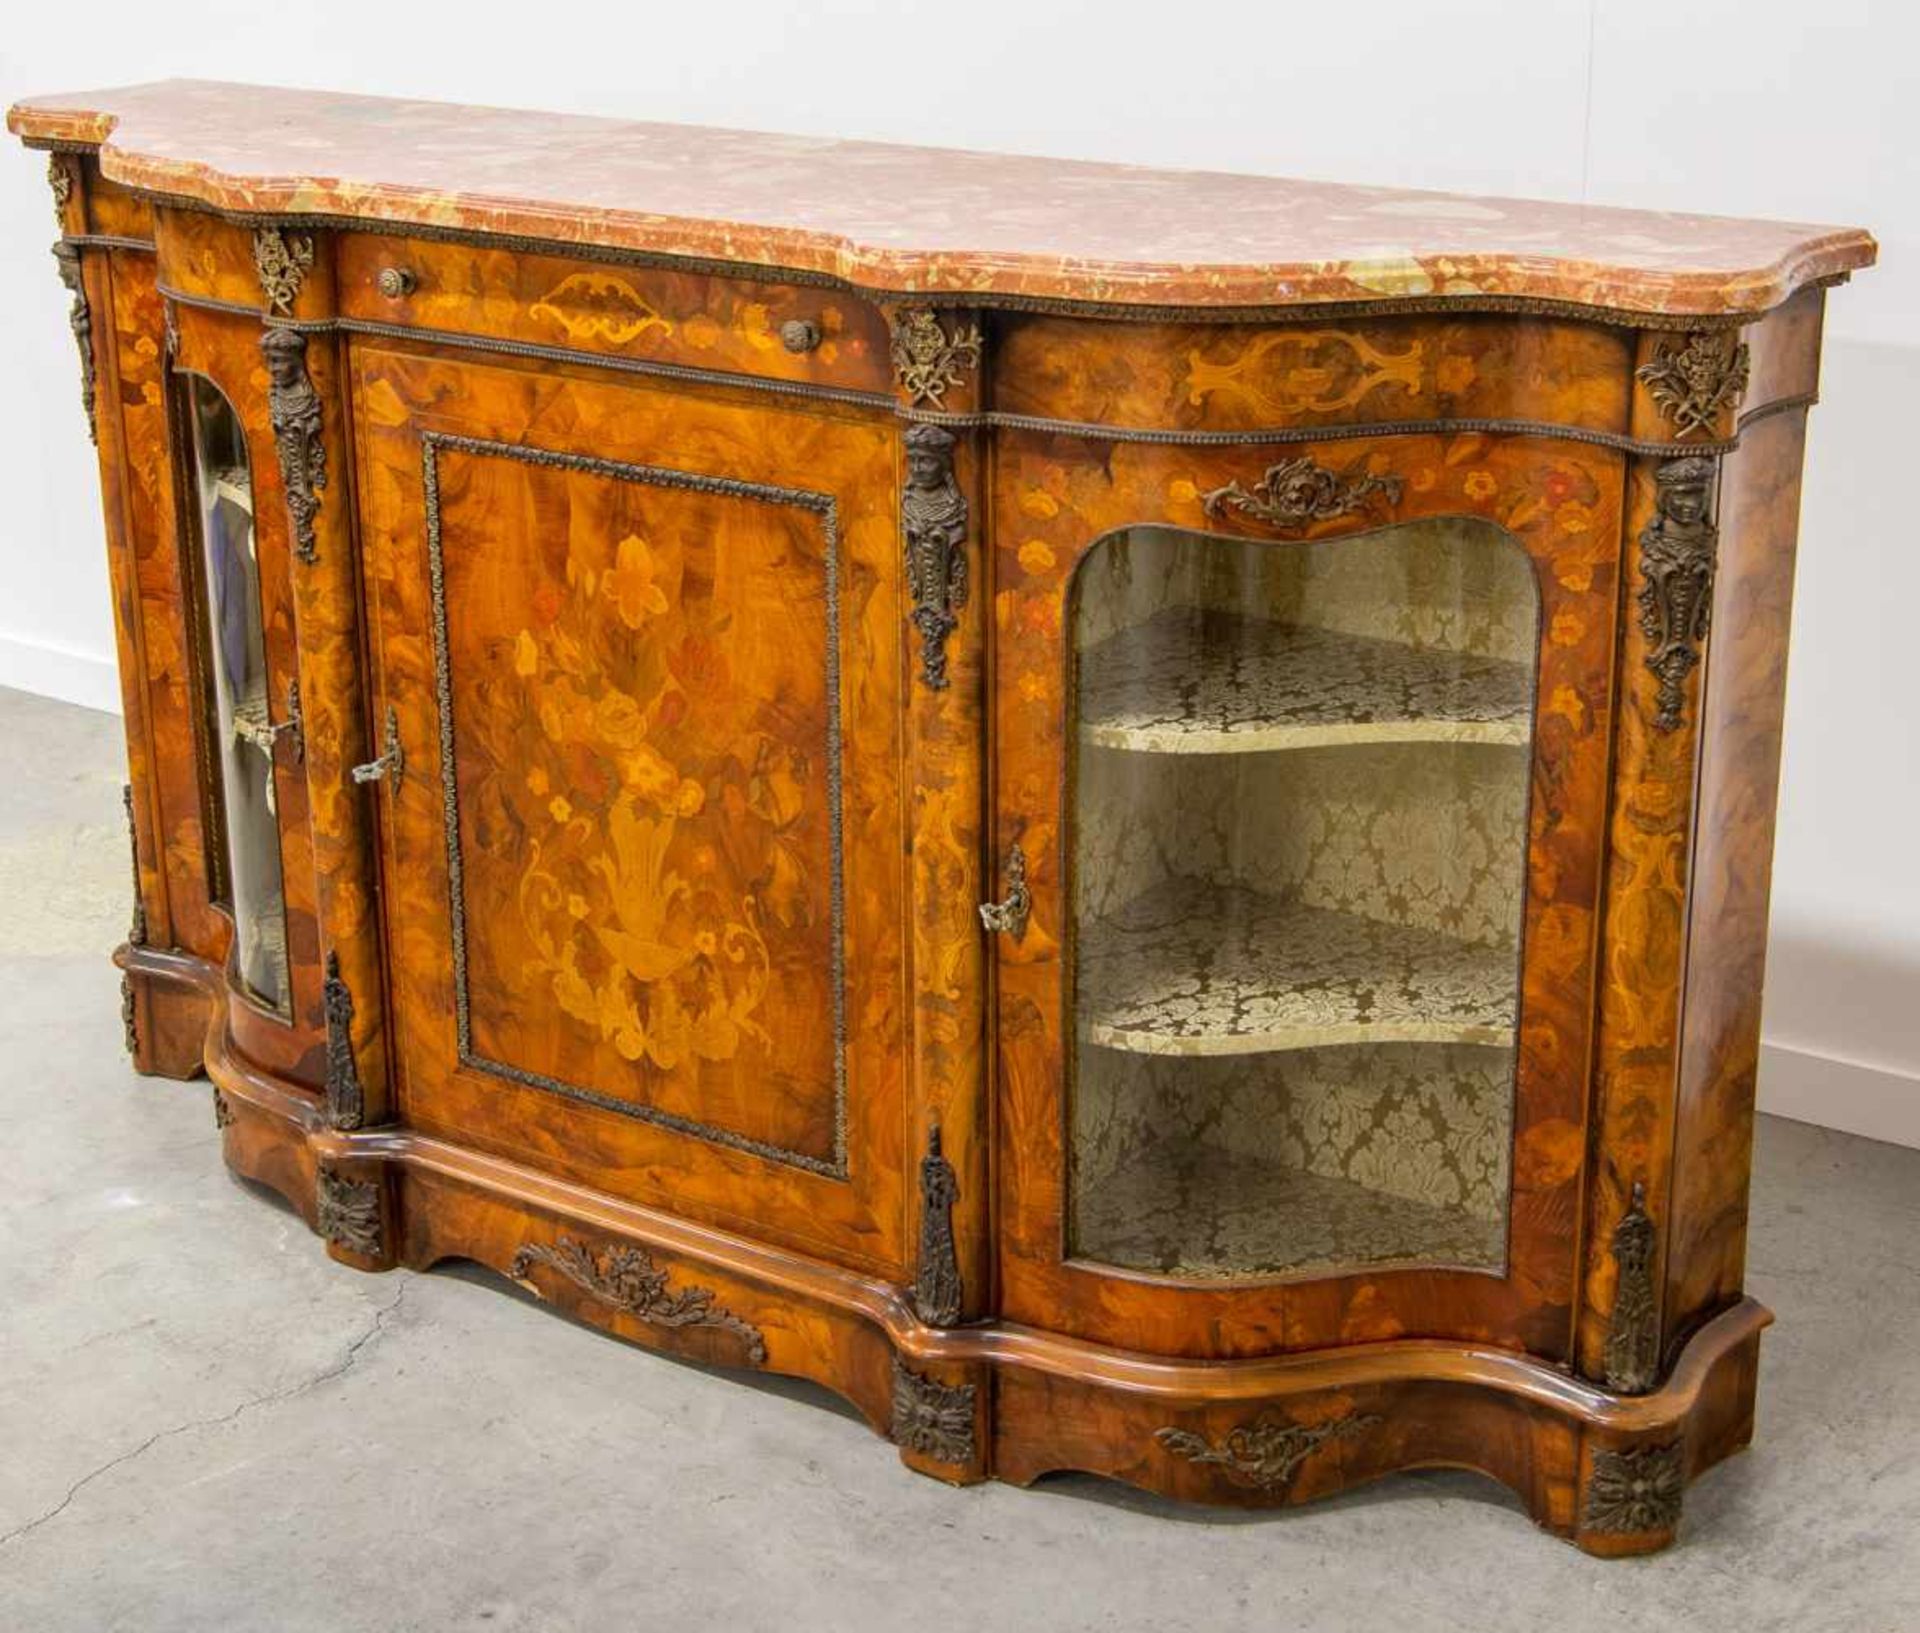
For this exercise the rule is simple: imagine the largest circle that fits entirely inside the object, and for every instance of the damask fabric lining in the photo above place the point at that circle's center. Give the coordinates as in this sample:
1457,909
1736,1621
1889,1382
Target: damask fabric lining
1457,585
1191,1210
1269,1163
1424,836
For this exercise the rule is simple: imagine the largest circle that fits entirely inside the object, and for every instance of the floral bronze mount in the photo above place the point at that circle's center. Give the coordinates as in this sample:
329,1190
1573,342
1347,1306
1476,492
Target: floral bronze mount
1298,492
627,1277
1693,381
928,359
1267,1453
282,260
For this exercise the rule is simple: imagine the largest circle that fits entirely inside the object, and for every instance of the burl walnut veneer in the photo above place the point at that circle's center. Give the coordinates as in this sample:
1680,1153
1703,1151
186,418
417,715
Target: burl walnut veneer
1122,814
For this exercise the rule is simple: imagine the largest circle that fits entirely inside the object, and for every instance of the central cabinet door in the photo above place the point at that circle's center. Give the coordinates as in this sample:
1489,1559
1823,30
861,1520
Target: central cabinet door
636,659
1294,1040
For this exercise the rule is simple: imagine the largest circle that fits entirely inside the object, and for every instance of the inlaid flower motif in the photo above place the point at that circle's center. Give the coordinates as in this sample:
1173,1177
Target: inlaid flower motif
631,583
655,779
618,721
1037,557
657,821
1574,517
698,664
566,715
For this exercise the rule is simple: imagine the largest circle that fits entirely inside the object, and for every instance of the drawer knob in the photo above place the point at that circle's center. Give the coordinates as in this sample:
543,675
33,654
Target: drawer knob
396,281
798,335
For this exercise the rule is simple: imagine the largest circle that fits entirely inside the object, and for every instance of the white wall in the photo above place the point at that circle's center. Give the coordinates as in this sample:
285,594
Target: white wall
1764,107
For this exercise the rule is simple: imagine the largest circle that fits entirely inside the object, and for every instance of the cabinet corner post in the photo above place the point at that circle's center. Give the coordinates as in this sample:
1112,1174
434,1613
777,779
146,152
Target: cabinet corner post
308,406
938,358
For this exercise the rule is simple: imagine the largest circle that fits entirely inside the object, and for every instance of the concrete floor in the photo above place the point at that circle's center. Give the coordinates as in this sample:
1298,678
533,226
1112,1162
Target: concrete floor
206,1425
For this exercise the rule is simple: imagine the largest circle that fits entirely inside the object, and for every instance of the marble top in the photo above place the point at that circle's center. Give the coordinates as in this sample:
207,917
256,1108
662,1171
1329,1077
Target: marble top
909,219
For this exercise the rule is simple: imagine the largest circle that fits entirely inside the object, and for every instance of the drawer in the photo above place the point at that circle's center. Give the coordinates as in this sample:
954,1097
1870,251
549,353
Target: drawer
1233,377
776,331
115,211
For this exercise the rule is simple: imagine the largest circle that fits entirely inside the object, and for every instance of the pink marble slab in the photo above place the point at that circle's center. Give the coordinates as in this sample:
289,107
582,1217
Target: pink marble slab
902,219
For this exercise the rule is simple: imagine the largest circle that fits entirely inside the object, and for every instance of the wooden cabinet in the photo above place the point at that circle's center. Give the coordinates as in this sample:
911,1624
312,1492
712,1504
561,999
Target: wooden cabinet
1145,856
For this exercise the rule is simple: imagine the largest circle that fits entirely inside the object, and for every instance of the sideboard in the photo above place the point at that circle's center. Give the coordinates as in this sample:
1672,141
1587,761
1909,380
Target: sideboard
1123,814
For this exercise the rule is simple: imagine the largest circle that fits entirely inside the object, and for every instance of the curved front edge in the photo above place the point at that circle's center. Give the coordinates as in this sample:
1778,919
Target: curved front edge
639,1287
1605,1472
263,1118
993,1400
165,1021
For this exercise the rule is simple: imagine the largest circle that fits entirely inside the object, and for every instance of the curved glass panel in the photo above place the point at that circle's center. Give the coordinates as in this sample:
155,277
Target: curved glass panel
243,733
1299,827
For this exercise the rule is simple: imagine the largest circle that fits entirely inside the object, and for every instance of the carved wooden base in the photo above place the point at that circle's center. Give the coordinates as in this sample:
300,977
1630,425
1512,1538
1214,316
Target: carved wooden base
998,1401
165,1023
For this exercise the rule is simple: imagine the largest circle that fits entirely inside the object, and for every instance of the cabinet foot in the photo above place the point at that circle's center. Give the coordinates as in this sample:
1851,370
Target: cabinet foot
351,1203
1630,1496
940,1419
165,1023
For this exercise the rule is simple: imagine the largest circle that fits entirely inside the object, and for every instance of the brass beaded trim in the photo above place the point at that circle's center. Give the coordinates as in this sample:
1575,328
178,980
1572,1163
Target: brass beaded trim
1091,430
822,506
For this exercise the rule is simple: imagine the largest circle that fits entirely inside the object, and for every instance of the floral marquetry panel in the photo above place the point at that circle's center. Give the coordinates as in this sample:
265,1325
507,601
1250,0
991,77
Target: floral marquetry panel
633,764
1242,376
645,769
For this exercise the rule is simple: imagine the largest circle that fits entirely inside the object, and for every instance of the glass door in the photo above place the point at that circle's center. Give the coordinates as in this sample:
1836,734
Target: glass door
1297,841
243,732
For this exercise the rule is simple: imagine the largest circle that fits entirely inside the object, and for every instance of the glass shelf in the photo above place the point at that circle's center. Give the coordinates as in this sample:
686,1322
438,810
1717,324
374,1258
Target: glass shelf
1190,968
1191,681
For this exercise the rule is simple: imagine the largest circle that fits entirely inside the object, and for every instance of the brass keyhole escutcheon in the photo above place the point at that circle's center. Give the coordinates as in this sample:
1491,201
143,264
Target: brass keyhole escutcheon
1009,915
